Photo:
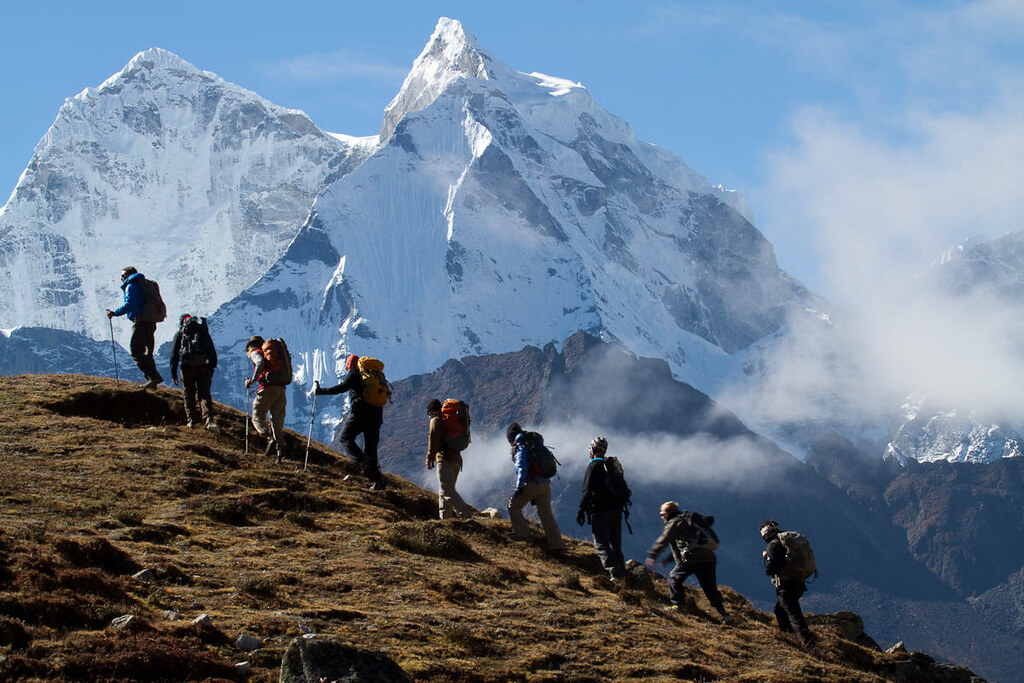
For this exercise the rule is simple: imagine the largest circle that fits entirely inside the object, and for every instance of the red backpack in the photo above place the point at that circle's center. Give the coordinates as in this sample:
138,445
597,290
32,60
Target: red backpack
455,415
277,362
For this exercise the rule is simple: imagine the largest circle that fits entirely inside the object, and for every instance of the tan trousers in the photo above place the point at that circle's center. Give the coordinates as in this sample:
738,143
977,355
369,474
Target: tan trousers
449,503
273,399
538,493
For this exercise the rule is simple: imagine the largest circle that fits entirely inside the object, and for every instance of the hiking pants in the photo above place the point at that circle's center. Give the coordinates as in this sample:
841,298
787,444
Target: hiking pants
606,526
705,573
195,381
787,609
368,424
141,346
450,504
538,493
270,398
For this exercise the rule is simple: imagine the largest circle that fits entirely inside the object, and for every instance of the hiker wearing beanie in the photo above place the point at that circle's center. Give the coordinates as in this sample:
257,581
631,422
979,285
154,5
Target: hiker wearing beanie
531,487
270,397
692,541
443,453
363,417
788,580
144,308
605,497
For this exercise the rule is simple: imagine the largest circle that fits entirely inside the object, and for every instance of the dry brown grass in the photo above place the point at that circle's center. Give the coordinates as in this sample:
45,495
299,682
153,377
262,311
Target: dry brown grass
101,480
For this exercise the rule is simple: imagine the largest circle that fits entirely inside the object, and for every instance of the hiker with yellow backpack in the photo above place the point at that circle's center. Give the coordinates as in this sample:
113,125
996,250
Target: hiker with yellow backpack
447,438
368,391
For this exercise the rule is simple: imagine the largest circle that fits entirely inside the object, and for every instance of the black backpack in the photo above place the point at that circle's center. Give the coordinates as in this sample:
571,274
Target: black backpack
616,490
196,346
154,310
543,462
703,535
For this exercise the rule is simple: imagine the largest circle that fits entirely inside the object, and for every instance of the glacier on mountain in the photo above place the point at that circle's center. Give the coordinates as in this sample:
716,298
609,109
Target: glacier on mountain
505,209
196,182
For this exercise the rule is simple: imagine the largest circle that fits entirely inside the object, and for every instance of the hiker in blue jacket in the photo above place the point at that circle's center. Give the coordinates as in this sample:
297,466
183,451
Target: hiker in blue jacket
530,488
143,331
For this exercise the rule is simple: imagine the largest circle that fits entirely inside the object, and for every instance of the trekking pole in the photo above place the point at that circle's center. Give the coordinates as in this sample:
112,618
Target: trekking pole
247,422
312,416
113,348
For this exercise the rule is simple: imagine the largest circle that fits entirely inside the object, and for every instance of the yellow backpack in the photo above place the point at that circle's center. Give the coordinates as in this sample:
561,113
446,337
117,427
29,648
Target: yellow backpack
376,388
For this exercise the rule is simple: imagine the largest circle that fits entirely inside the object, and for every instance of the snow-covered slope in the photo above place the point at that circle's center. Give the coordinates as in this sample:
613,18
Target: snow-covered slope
982,422
198,183
505,209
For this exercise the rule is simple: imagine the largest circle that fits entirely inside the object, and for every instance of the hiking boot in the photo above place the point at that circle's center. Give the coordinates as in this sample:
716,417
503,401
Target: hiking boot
212,426
271,448
190,424
727,619
378,485
807,639
151,384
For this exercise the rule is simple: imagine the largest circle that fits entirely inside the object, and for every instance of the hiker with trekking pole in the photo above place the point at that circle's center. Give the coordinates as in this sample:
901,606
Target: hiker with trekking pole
605,502
271,372
144,308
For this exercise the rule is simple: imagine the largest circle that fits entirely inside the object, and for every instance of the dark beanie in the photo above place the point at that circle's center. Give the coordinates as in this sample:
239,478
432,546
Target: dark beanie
513,430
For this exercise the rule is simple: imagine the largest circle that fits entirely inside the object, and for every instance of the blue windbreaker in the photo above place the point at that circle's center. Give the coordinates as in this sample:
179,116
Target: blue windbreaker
134,299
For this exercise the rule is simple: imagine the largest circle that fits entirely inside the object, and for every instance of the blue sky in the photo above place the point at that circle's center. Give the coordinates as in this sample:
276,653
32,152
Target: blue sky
866,136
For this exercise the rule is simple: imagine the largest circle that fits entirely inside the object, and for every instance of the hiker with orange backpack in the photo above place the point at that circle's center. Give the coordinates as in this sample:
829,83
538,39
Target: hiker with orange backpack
447,438
368,392
271,372
145,308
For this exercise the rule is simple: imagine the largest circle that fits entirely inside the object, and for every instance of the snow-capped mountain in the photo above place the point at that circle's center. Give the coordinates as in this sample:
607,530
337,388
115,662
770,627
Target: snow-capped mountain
198,183
986,277
504,209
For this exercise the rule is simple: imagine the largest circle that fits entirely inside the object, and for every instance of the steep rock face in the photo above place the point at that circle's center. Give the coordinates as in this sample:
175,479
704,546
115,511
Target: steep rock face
508,209
198,183
41,350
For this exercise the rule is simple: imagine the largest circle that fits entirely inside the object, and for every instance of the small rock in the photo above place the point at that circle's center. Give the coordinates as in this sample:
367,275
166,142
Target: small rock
246,642
306,629
146,575
171,615
493,513
122,623
898,648
243,667
203,621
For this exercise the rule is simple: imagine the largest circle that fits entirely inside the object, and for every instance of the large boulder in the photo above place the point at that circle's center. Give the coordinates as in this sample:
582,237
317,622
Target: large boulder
314,659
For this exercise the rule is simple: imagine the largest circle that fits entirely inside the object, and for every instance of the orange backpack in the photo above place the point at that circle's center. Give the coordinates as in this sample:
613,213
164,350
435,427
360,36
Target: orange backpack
455,415
278,362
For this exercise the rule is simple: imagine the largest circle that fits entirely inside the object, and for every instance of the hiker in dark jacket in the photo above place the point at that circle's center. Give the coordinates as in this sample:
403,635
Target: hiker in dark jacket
530,488
143,341
788,591
194,348
603,510
448,461
270,398
362,418
690,558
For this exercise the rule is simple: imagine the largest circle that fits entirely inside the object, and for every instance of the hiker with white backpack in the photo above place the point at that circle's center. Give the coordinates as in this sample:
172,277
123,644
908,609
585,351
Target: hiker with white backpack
693,543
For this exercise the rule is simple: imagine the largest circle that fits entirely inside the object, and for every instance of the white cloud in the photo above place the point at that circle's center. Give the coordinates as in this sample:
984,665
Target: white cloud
329,67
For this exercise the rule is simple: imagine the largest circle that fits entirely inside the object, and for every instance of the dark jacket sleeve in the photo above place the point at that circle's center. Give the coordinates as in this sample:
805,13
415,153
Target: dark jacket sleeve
669,534
175,354
351,381
593,484
774,557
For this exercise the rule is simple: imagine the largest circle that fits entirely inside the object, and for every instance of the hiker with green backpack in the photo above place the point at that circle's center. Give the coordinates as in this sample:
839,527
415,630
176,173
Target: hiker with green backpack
693,543
368,392
789,560
535,465
606,498
447,438
144,308
271,372
193,348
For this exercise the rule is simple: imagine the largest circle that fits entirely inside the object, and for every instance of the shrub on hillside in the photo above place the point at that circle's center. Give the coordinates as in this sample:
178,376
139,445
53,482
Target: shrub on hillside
429,538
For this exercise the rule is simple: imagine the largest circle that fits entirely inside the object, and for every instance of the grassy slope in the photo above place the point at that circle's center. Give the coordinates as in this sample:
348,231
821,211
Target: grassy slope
100,480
